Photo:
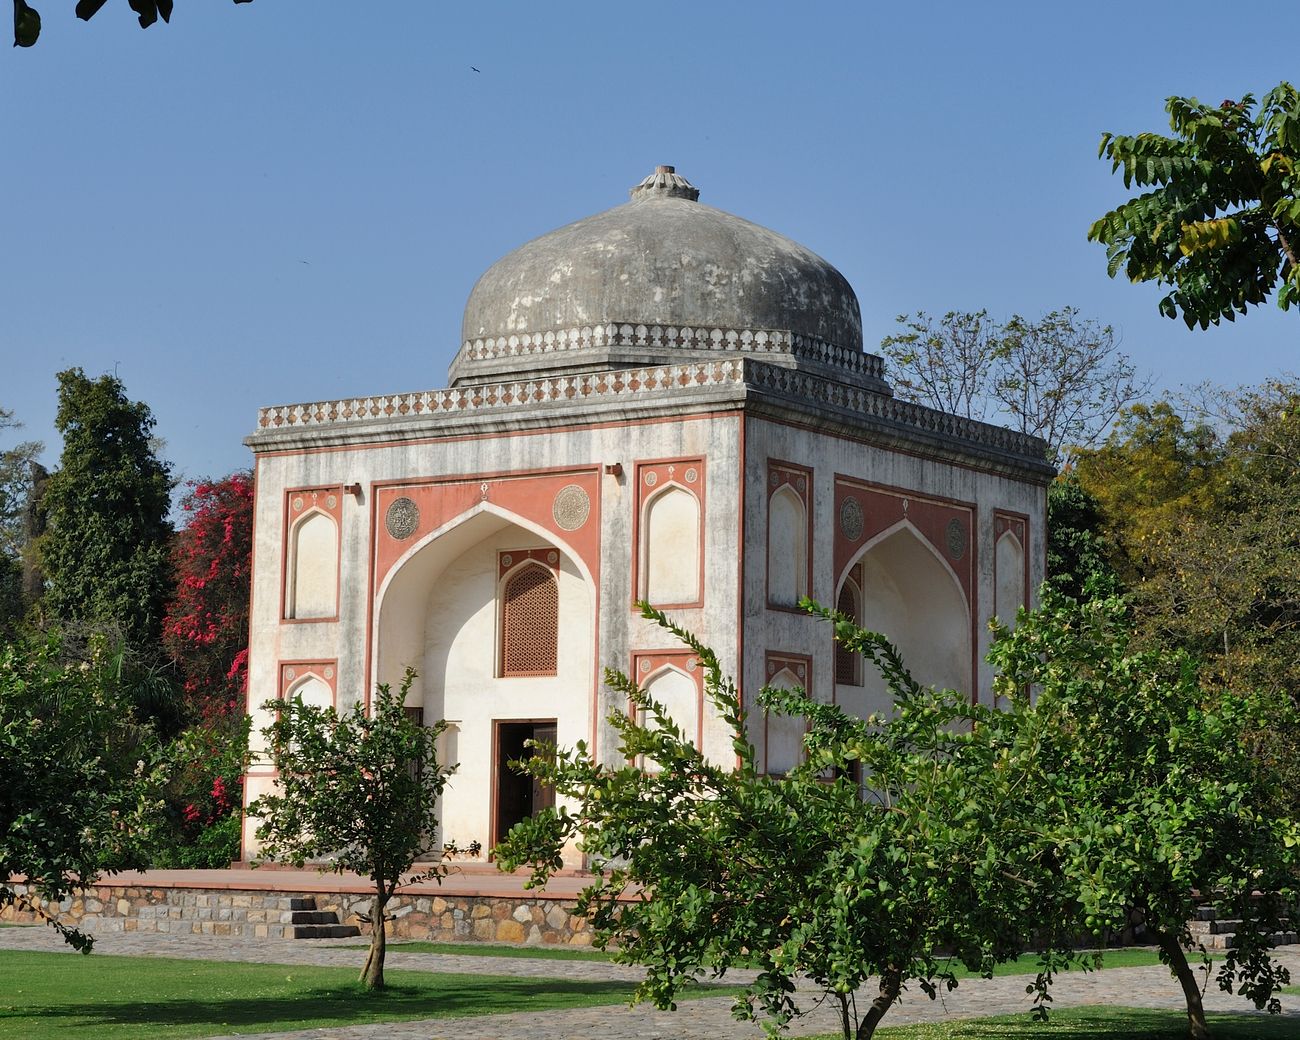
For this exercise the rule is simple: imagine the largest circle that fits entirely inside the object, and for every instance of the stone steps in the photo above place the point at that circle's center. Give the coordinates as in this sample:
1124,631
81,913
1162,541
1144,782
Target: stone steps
307,922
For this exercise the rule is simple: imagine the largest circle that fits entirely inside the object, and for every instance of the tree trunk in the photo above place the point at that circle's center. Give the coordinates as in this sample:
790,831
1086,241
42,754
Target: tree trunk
890,983
372,975
1197,1028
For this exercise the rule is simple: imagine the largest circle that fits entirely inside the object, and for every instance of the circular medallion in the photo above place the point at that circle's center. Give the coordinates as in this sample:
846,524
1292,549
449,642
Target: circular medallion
552,557
645,665
776,479
329,673
692,664
956,539
851,519
801,484
331,502
297,504
801,670
507,560
290,674
651,479
402,518
571,508
691,475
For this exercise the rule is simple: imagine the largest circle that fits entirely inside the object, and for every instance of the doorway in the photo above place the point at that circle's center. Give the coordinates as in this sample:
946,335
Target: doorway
518,796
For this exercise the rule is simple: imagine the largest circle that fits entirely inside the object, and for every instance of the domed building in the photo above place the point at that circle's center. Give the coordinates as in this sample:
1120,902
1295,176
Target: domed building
661,402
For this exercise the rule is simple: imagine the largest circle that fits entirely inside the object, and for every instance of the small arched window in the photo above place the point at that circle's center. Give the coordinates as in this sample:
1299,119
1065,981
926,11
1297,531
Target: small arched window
848,665
530,622
672,548
787,548
313,568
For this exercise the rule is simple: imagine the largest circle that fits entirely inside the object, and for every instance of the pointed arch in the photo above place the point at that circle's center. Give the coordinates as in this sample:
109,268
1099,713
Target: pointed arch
787,548
311,588
783,734
848,665
671,551
911,594
1009,585
679,693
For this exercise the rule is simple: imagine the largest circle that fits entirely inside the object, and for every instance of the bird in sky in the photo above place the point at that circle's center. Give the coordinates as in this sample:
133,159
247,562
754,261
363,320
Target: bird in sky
472,69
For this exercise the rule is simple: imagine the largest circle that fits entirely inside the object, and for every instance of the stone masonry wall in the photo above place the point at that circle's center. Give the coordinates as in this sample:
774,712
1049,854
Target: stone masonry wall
261,914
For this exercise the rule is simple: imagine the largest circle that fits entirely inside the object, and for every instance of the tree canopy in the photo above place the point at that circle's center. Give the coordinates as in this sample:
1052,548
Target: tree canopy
27,20
357,790
106,548
805,876
1060,377
1221,221
79,795
1157,803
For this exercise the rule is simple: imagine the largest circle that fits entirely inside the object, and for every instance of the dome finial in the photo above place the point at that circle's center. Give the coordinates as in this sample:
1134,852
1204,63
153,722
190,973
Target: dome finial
665,183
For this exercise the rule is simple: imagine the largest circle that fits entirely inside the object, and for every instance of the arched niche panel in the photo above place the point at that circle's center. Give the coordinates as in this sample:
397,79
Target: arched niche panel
530,620
787,548
671,548
848,665
313,568
1009,578
783,734
913,597
679,695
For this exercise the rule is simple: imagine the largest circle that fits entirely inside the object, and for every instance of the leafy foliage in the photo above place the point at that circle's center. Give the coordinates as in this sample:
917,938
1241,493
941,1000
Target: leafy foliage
27,20
1077,563
78,785
1060,377
205,630
801,876
1221,223
105,552
357,791
20,473
1156,801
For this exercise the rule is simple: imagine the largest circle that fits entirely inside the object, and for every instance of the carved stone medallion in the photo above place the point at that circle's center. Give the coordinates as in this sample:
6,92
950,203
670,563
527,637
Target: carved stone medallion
402,518
571,508
851,519
956,538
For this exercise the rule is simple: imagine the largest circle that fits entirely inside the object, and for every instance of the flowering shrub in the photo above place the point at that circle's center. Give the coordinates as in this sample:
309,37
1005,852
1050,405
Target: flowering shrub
205,630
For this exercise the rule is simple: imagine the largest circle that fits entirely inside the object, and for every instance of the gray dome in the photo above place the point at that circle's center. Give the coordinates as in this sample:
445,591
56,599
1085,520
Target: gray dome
662,259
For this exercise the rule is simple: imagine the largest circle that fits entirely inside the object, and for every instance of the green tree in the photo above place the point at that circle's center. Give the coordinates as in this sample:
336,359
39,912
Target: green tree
78,791
358,791
27,20
1152,475
1060,377
105,550
1077,560
1157,801
801,876
1221,221
20,475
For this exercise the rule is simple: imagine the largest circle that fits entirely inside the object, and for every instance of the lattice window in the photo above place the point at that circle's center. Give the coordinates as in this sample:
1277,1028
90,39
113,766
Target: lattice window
847,664
530,618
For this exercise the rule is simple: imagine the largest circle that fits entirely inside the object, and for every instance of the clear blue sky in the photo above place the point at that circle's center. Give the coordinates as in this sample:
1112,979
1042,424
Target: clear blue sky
289,201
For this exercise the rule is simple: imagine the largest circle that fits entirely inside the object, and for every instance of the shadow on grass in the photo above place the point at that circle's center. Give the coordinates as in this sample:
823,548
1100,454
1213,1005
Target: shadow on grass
340,1005
1097,1023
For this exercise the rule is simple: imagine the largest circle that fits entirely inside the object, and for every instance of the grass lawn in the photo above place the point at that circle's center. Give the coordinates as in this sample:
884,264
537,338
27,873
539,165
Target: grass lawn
1126,958
540,953
1095,1023
60,995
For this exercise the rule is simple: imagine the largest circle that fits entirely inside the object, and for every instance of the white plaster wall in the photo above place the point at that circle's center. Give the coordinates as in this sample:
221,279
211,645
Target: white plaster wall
768,629
619,629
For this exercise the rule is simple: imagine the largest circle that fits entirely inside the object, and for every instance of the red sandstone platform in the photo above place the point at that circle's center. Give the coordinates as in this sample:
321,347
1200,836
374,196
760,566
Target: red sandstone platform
471,880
